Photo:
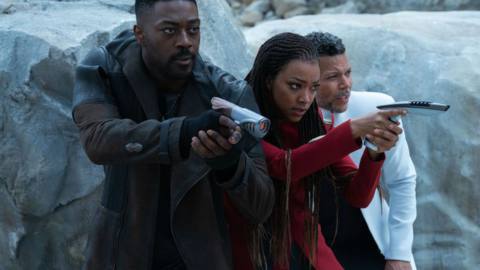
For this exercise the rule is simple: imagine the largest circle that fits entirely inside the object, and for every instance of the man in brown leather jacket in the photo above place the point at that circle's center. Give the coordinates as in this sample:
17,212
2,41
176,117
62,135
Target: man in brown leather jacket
142,105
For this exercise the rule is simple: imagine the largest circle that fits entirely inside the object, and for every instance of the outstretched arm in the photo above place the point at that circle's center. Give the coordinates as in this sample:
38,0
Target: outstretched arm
313,156
360,189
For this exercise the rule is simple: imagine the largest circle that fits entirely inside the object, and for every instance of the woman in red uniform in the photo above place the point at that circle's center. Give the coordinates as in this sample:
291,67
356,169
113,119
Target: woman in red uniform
284,79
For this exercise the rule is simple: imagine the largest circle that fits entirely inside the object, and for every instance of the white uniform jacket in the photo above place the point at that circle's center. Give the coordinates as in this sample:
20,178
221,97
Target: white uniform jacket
390,224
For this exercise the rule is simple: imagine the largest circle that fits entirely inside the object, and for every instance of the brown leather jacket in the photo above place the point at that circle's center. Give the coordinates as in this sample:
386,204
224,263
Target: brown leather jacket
117,112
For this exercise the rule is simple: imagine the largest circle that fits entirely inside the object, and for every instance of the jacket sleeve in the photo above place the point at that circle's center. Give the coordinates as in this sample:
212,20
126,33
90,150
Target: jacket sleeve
313,156
106,137
399,178
360,190
250,189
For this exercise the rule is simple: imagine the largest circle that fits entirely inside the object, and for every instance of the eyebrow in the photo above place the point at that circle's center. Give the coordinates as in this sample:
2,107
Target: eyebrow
337,70
330,72
297,79
192,21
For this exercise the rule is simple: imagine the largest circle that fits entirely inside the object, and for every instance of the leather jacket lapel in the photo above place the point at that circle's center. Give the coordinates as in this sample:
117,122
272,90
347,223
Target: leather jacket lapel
191,171
143,85
202,77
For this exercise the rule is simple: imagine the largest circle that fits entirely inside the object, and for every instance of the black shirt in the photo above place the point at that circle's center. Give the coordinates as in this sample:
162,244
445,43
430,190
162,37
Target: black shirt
166,255
353,245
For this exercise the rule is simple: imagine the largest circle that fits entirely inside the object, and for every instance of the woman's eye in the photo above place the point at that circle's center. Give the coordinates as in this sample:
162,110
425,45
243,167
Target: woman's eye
294,86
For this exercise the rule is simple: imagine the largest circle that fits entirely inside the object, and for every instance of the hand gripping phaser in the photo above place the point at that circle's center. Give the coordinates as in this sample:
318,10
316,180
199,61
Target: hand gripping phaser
426,108
250,121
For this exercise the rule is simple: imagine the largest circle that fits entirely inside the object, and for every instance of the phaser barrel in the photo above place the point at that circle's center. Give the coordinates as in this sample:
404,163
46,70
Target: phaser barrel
250,121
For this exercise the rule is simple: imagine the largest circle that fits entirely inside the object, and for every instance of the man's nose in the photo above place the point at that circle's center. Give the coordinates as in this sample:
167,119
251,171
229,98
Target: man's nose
345,81
184,40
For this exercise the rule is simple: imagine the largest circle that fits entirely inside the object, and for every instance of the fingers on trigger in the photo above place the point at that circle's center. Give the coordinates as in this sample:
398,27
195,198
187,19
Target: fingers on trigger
207,143
219,139
200,149
227,122
235,137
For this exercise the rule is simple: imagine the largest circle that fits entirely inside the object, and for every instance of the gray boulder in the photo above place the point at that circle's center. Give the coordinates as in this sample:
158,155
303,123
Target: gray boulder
290,8
254,12
281,7
126,5
48,188
222,40
348,7
386,6
423,56
250,17
48,184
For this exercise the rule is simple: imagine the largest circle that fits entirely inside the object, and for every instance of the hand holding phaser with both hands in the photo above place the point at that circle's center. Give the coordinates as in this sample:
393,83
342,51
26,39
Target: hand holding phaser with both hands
220,148
210,135
221,144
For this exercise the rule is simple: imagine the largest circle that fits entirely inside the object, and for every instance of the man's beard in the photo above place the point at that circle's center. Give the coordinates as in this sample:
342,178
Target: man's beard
330,105
343,94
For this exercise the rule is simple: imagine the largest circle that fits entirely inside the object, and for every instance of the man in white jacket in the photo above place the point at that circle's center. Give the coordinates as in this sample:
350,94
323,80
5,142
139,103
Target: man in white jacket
389,224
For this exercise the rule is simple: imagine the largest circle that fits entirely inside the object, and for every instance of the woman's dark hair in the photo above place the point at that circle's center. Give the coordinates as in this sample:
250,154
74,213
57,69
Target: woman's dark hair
272,57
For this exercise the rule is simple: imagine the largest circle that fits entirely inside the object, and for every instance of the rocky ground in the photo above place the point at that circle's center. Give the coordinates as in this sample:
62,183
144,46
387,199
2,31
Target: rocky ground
49,190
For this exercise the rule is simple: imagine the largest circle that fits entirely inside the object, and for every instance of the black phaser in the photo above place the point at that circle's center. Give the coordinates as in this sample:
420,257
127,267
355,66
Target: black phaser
426,108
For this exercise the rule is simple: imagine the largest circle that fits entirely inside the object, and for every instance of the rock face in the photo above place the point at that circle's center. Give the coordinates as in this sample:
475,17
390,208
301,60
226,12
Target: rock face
255,12
222,41
423,56
386,6
48,188
289,8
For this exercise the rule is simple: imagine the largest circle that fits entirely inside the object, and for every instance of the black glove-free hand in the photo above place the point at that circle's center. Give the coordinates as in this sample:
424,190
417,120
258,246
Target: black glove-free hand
191,126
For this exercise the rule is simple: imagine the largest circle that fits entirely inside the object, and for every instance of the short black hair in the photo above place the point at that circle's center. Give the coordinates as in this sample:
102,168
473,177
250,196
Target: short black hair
326,43
143,5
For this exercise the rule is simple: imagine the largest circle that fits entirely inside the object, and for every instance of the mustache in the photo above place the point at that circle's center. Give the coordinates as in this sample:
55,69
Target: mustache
183,53
343,94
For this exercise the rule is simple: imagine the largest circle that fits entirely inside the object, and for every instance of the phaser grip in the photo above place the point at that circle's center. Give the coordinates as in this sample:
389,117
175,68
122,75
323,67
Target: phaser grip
250,121
412,107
